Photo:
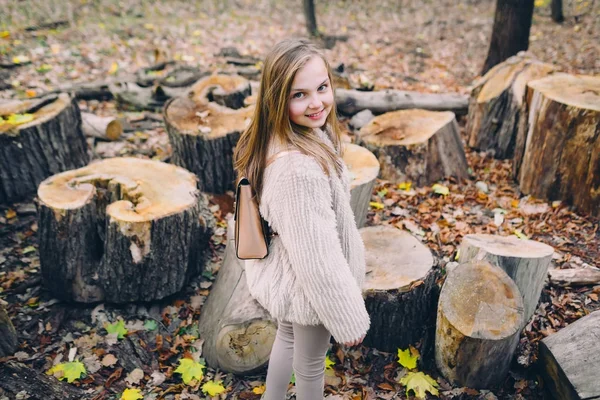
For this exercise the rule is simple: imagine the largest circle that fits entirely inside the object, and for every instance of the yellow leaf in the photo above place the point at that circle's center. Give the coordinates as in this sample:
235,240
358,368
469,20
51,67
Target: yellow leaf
10,213
189,370
30,93
440,189
514,203
520,234
328,363
114,67
419,383
70,371
376,205
404,185
20,59
213,388
131,394
259,389
406,359
118,328
18,119
4,34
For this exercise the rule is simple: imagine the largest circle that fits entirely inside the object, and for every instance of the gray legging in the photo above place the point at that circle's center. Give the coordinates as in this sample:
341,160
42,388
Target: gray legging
302,348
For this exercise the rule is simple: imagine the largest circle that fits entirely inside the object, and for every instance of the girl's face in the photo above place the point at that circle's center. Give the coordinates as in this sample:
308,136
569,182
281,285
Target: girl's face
311,97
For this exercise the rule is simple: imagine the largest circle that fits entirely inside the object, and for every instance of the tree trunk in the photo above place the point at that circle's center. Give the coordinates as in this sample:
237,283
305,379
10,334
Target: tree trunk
106,128
16,378
495,104
510,33
415,145
557,11
121,230
560,141
525,261
363,168
479,317
51,143
311,19
8,335
238,333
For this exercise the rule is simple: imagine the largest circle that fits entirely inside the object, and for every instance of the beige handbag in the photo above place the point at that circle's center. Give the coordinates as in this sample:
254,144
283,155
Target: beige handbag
252,232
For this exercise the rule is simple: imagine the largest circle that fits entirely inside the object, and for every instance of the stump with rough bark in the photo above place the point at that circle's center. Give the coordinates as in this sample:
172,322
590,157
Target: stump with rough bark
8,335
415,145
238,332
479,317
122,230
525,261
363,168
495,104
51,142
227,90
560,139
400,289
22,382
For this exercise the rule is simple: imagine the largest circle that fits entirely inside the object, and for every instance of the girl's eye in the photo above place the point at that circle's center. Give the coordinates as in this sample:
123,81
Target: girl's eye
298,95
322,88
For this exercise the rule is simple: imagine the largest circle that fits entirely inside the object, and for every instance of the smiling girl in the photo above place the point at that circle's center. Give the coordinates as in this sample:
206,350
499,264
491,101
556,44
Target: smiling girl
310,281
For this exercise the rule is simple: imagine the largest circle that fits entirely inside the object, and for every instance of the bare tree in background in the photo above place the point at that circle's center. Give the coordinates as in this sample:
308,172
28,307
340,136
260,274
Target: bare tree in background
311,19
512,23
557,11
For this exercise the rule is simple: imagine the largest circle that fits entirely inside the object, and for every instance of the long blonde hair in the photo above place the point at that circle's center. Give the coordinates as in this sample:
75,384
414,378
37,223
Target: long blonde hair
271,116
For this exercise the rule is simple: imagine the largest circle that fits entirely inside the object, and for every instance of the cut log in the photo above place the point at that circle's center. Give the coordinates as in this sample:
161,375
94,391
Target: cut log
107,128
23,382
203,136
238,333
349,102
131,96
400,290
525,261
575,276
122,230
50,143
570,360
363,168
479,317
415,145
560,159
495,104
8,335
226,90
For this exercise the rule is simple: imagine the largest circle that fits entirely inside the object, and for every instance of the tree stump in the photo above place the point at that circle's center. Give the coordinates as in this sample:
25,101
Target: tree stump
106,128
560,159
8,335
121,230
479,317
23,382
226,90
570,359
50,143
525,261
415,145
400,290
238,333
495,104
203,136
363,168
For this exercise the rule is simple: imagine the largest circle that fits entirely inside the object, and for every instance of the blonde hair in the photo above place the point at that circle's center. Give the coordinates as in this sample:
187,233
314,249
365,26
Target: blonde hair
271,116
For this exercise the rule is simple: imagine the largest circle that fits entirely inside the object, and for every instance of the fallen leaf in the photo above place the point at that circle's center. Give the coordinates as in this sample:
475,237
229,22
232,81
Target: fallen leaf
109,360
189,370
440,189
259,389
419,383
135,376
406,359
213,388
70,371
118,328
131,394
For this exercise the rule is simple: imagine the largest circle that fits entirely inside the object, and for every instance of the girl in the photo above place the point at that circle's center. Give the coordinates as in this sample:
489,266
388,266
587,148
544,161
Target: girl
310,281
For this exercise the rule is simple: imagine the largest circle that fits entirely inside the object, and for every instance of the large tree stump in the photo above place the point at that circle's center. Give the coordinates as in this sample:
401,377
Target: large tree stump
203,136
415,145
18,379
363,168
121,230
226,90
495,104
570,360
479,318
51,143
560,159
400,289
238,333
8,335
525,261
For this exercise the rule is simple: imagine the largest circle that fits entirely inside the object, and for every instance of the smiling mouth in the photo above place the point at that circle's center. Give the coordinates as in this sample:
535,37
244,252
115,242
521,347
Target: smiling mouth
317,114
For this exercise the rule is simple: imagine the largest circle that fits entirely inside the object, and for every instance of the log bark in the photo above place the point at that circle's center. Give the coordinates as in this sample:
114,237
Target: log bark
121,230
8,335
575,276
363,168
107,128
238,332
560,139
310,17
510,34
226,90
570,358
556,8
400,290
495,104
203,136
349,102
51,143
415,145
16,378
479,317
526,262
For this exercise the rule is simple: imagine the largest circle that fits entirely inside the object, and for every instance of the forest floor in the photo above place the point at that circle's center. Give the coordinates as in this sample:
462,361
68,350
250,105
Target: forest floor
413,45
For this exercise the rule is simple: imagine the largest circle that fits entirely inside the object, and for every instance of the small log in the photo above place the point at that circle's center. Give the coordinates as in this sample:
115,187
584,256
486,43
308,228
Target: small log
479,317
131,96
107,128
570,359
525,261
495,104
560,157
575,276
203,136
18,379
238,333
51,143
363,168
121,230
226,90
400,290
8,335
349,102
415,145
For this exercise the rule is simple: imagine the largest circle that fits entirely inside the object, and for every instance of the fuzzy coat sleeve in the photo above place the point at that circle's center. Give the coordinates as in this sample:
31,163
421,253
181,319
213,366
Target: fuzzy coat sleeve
302,214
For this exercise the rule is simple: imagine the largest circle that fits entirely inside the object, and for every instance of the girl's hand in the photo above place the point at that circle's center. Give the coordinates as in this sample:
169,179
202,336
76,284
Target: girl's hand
355,342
